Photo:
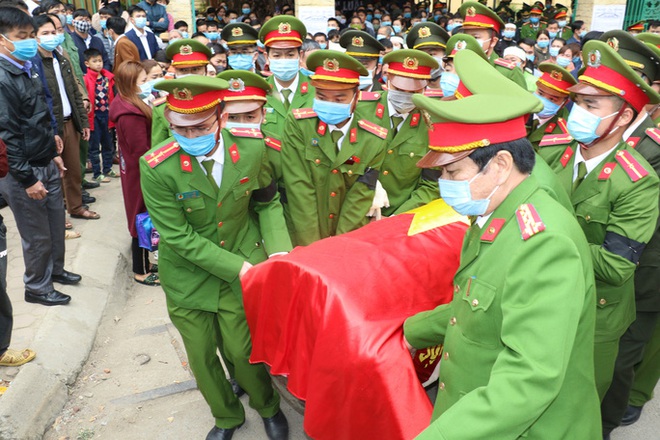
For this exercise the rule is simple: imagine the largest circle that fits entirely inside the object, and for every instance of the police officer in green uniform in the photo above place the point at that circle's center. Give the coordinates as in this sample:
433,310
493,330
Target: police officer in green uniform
432,39
189,57
561,16
198,187
517,348
653,42
613,189
534,26
241,39
483,24
331,158
366,49
552,89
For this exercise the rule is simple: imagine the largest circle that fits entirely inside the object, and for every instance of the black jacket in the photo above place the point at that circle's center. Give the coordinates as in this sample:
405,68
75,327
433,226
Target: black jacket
25,122
95,43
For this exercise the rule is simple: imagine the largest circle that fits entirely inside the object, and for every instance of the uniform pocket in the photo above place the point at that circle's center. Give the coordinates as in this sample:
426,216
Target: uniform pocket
476,315
195,210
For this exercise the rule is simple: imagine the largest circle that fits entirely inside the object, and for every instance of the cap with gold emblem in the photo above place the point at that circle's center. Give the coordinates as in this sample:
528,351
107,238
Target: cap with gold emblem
188,52
283,31
607,73
634,52
555,78
192,99
247,91
476,15
239,33
536,10
360,44
636,27
427,34
334,70
460,42
409,69
561,13
648,37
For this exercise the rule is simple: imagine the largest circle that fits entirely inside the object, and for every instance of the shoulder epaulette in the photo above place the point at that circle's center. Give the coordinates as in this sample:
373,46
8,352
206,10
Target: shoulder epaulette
633,141
630,165
529,221
158,101
505,63
561,123
549,128
433,93
370,96
157,157
373,128
555,139
654,133
273,143
247,132
606,172
304,88
303,113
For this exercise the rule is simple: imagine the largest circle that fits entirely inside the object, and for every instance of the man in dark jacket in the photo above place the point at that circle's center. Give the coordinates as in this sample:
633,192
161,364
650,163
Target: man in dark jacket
140,35
156,15
82,24
33,186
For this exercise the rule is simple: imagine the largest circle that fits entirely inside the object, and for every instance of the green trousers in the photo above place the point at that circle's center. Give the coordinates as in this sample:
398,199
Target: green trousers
604,358
201,333
647,373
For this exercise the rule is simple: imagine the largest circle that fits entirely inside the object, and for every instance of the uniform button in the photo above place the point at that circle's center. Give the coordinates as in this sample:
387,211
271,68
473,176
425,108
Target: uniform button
442,386
475,302
385,173
335,171
331,216
219,204
456,288
189,210
247,191
317,161
602,301
350,172
412,154
220,224
333,194
452,321
257,244
587,217
222,243
446,355
390,151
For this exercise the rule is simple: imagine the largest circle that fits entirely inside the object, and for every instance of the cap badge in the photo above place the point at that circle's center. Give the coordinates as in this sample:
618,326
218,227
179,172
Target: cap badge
460,45
331,65
594,59
614,43
236,85
185,50
411,63
183,94
358,42
471,12
424,32
284,28
556,75
237,32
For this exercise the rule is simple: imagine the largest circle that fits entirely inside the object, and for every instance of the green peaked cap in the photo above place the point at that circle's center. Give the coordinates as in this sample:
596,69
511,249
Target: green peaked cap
427,34
460,42
360,44
239,33
283,31
636,54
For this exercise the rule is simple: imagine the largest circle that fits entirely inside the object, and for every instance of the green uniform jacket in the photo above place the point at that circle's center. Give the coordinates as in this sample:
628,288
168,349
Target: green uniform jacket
407,186
509,70
566,33
207,235
555,125
329,191
518,349
617,211
160,128
529,31
549,182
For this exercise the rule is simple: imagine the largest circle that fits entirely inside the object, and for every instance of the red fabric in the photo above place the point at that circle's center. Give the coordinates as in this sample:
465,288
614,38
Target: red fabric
90,85
628,90
4,163
133,139
455,134
330,316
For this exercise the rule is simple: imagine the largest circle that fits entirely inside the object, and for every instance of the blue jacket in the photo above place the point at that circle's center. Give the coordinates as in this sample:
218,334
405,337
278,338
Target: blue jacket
95,43
151,41
154,13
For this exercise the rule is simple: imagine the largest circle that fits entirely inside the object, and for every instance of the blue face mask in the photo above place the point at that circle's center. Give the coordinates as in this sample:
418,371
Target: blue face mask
331,113
185,34
60,38
285,69
553,35
576,61
233,20
543,43
370,17
449,83
396,28
210,18
140,22
407,15
531,57
23,49
444,10
554,51
241,61
103,23
305,71
199,146
380,60
549,108
246,11
563,61
230,124
509,34
582,124
146,89
451,27
583,33
457,194
366,81
260,44
323,45
330,29
49,42
534,20
386,23
562,23
378,16
69,19
212,36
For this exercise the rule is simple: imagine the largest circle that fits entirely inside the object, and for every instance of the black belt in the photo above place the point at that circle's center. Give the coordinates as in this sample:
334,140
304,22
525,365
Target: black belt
67,119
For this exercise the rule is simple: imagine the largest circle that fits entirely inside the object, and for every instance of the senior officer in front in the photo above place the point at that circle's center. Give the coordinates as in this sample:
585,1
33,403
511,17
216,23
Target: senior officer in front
200,188
517,348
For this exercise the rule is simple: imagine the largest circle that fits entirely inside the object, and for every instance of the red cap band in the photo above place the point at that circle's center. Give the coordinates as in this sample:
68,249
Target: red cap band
279,35
182,100
613,82
482,21
410,68
337,75
454,137
246,94
462,91
190,59
555,81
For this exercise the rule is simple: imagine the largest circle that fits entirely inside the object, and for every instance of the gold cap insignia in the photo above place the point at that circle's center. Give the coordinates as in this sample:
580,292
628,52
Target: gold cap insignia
471,12
185,50
284,28
556,75
331,65
183,94
237,32
460,45
358,42
424,32
411,63
236,85
614,43
594,58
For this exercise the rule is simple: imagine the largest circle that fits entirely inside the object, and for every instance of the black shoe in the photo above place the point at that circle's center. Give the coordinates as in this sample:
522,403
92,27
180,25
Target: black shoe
87,199
235,387
222,433
606,437
66,278
53,298
631,415
277,428
90,185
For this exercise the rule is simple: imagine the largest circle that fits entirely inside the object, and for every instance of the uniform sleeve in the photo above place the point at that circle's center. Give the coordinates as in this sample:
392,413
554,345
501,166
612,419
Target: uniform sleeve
160,130
428,328
539,328
426,191
173,227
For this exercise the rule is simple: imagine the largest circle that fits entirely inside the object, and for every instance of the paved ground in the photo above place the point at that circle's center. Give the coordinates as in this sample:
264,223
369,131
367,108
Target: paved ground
122,361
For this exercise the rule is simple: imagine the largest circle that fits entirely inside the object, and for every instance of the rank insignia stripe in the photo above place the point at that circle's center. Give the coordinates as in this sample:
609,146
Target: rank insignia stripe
561,122
550,127
492,230
234,154
244,180
186,163
369,96
372,128
157,157
433,93
633,169
303,113
550,140
633,141
607,170
653,133
159,101
529,221
353,135
504,63
247,132
566,156
273,143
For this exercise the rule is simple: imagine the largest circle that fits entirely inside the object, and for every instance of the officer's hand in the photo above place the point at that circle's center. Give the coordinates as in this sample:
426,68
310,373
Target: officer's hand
37,191
246,266
60,166
59,144
85,134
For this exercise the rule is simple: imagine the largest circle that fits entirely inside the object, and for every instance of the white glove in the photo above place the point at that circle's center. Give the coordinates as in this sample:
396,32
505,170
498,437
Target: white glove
380,201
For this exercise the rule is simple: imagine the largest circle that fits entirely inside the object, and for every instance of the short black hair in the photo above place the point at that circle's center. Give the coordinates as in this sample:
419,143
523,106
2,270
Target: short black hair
48,4
41,20
200,22
387,44
161,57
216,48
14,4
133,9
81,13
520,149
198,34
179,24
107,11
320,34
653,23
577,25
527,41
13,18
592,35
91,53
117,24
211,23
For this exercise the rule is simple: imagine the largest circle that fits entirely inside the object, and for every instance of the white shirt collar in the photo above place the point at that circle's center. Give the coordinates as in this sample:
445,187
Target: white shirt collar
589,163
633,127
393,113
482,220
343,130
218,155
293,87
541,121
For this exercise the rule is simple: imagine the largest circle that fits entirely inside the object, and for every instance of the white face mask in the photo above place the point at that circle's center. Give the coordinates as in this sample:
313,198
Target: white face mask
401,101
255,126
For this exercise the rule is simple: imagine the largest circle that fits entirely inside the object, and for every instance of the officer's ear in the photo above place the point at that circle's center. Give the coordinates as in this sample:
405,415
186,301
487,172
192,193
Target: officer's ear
502,164
627,117
356,98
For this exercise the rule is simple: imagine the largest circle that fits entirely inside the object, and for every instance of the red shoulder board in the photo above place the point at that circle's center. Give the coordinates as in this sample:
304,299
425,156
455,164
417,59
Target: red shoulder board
322,128
654,133
551,126
380,110
304,88
633,141
158,101
433,93
555,139
303,113
505,63
273,143
353,135
414,120
606,172
158,156
370,96
493,229
186,164
633,169
562,125
529,221
373,128
566,156
233,153
246,132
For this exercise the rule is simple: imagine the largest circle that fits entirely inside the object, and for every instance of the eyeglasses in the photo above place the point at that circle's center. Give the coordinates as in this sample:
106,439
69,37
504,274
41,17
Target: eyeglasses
191,132
241,52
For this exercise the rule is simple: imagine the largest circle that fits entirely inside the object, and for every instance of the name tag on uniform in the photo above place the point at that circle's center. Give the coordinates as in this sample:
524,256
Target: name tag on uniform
269,109
188,195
